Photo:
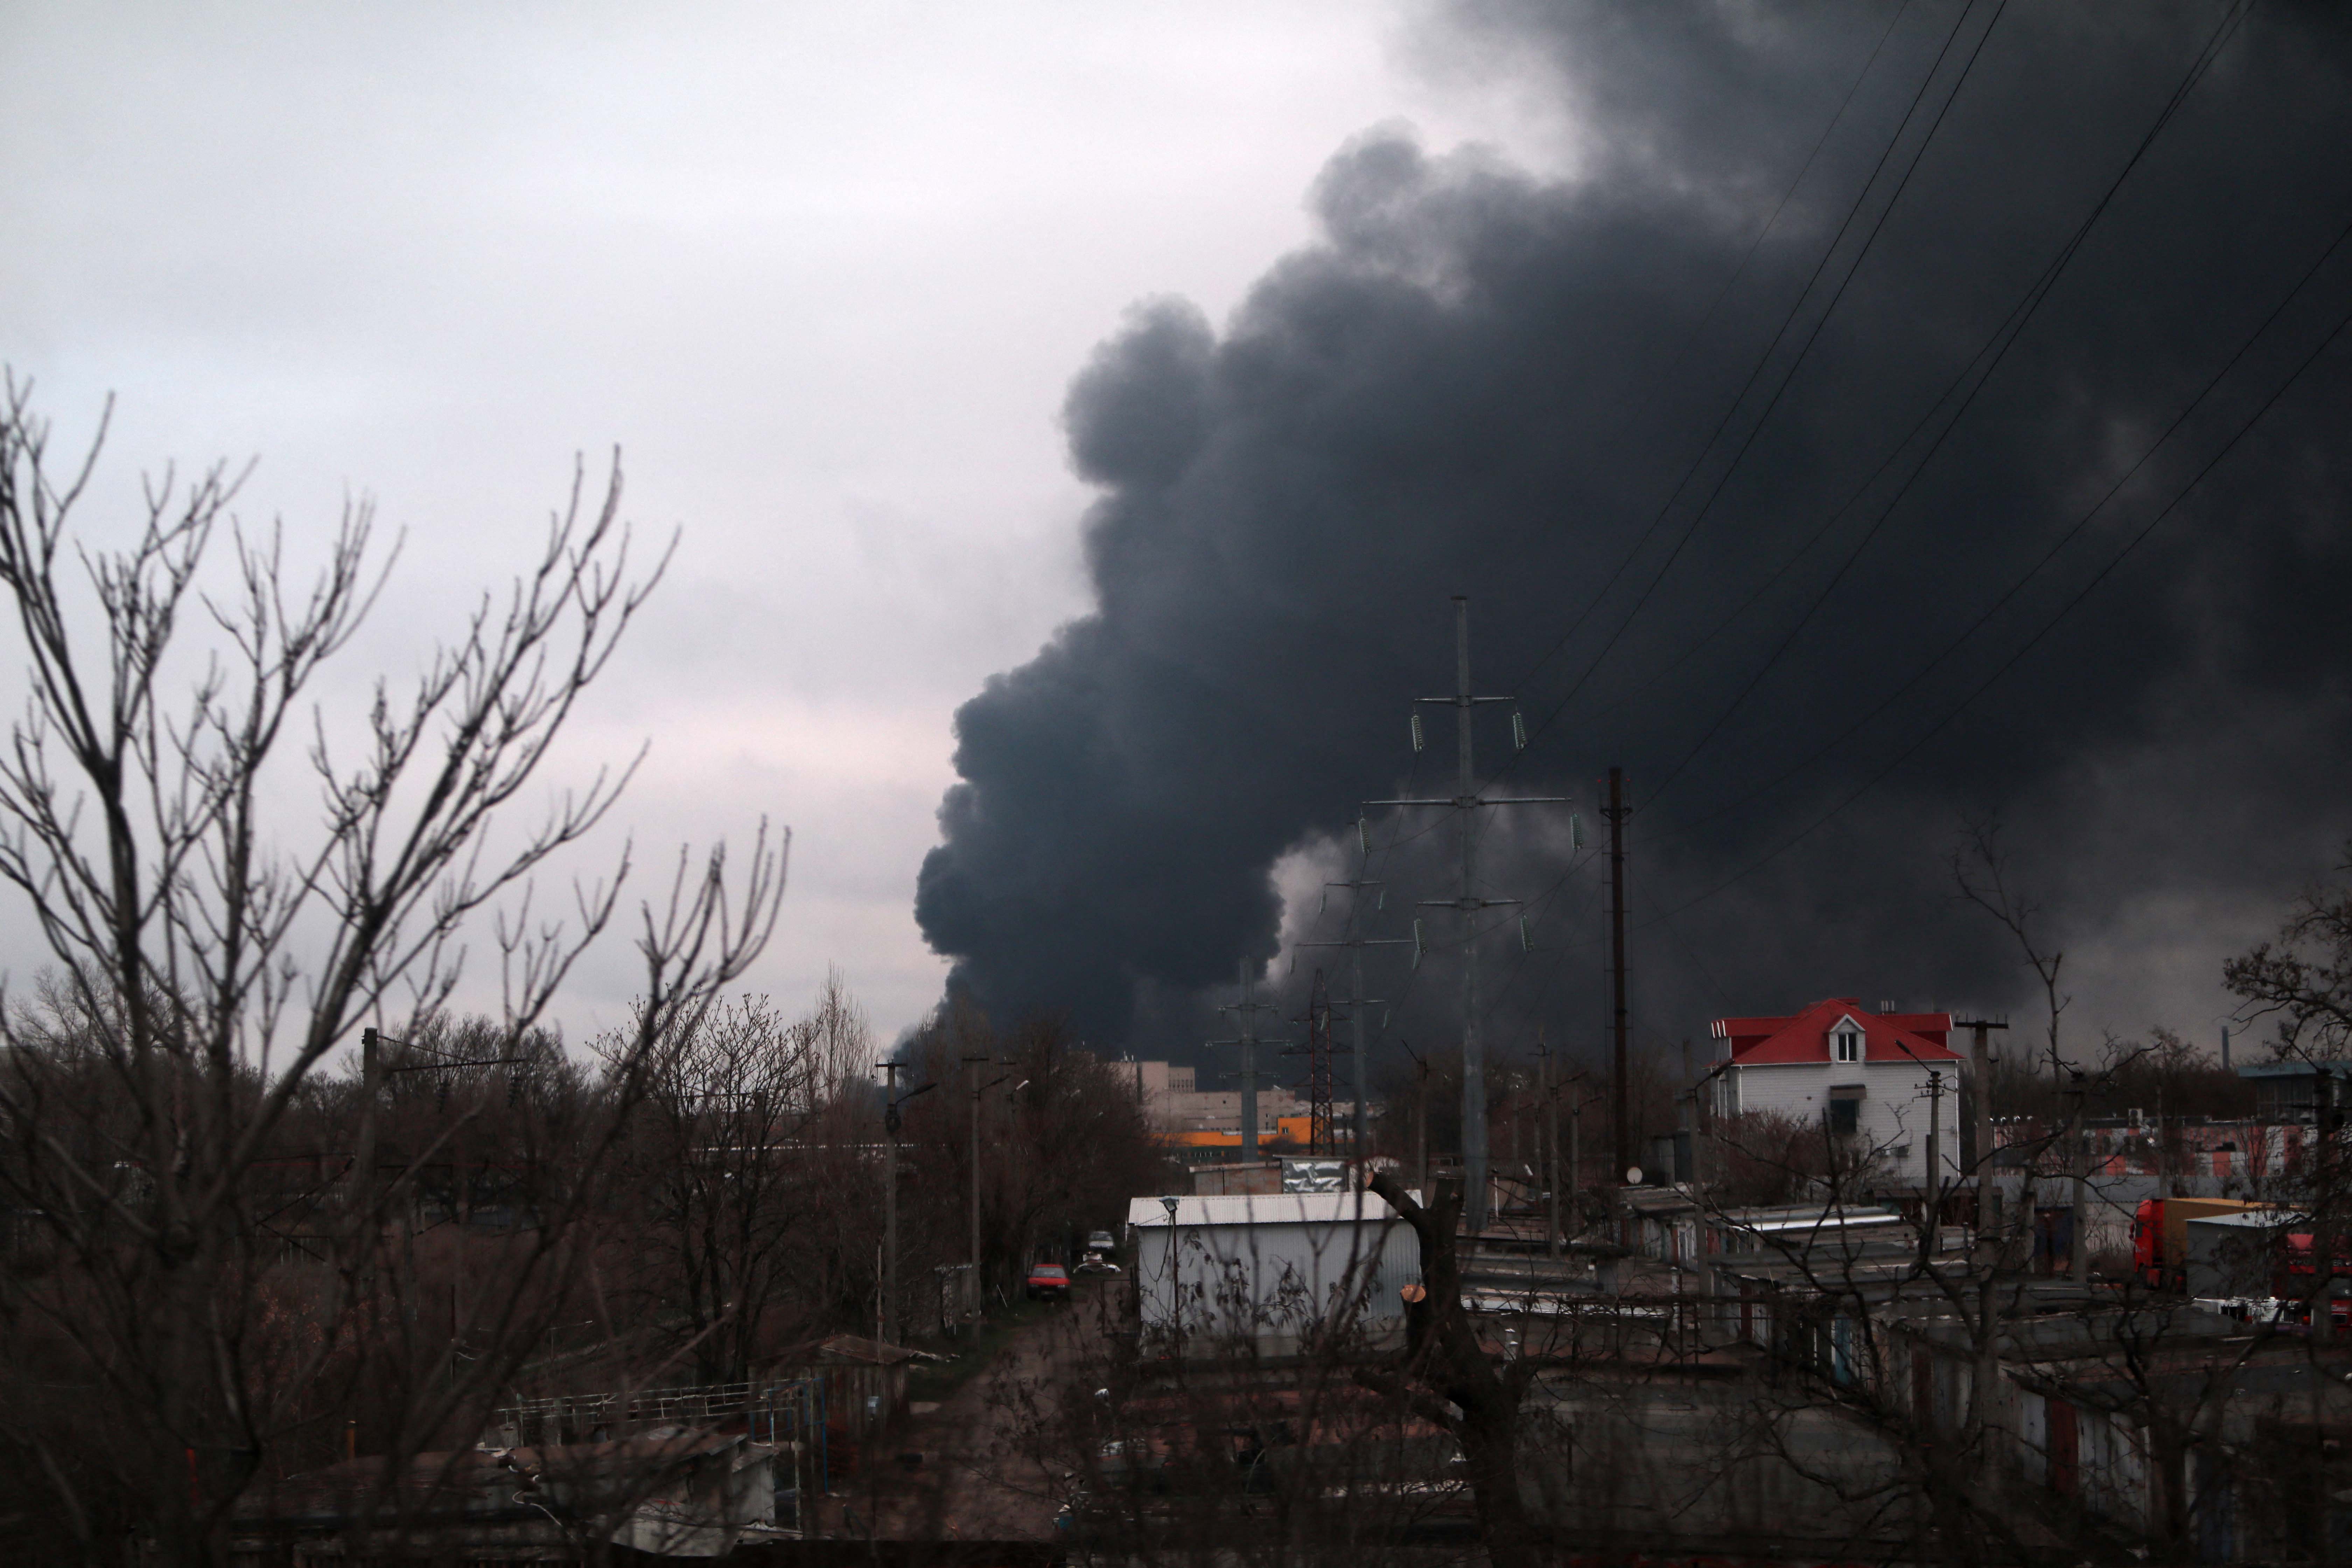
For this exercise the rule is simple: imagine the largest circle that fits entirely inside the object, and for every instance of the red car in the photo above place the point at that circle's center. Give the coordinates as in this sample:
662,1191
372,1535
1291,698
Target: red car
1047,1281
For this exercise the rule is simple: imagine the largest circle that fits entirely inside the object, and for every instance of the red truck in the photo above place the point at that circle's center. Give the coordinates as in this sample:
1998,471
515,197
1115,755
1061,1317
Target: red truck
2161,1237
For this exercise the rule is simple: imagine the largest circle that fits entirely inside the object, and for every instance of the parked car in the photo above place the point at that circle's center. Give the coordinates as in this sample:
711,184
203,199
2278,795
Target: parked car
1101,1241
1093,1263
1047,1283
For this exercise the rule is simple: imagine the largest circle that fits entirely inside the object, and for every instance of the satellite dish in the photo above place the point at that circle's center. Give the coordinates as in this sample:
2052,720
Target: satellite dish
1633,1175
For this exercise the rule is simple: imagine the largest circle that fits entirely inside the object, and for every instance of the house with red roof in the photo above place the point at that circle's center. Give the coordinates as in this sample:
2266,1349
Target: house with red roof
1870,1079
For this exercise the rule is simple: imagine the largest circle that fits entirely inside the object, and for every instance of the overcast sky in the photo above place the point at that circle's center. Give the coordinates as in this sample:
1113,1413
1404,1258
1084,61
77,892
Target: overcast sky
1351,307
823,272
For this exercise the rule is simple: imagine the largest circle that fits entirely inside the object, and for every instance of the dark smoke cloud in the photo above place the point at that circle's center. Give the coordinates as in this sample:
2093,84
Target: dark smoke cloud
1484,383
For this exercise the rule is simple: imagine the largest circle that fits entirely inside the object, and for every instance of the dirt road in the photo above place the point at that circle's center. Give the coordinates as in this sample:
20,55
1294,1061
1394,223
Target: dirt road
984,1473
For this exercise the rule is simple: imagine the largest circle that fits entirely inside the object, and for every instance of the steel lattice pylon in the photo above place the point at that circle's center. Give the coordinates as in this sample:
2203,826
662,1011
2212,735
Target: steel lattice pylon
1320,1139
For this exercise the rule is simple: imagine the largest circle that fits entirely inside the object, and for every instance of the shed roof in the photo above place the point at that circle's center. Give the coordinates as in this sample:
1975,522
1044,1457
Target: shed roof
1263,1208
2252,1219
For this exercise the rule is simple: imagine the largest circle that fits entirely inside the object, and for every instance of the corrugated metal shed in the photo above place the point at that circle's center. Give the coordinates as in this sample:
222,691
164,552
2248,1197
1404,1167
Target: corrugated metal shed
1267,1271
1263,1208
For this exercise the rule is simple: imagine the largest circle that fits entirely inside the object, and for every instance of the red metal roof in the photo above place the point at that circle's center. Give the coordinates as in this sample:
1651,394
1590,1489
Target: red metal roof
1805,1037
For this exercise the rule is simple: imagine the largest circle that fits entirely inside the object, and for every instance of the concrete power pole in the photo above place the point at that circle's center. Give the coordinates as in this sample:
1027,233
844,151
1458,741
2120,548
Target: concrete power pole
1245,1012
971,1065
1550,1096
887,1319
1621,1128
1933,1210
886,1331
1981,1121
1466,804
2078,1251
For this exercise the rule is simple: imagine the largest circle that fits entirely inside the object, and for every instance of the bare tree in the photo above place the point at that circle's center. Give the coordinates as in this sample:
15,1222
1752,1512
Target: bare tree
739,1150
1448,1377
2304,981
211,945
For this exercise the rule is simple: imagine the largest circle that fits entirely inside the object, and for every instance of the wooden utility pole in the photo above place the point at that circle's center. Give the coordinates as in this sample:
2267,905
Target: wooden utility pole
1620,1125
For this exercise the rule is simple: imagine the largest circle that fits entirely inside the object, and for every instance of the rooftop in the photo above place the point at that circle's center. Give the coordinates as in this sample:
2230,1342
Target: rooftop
1805,1036
1261,1208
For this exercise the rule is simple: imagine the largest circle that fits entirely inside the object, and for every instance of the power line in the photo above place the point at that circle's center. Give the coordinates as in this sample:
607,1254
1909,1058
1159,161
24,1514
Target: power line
2047,627
2006,336
1747,257
2074,531
1795,364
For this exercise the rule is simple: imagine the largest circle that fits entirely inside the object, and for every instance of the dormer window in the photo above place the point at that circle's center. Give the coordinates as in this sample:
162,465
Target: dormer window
1845,1042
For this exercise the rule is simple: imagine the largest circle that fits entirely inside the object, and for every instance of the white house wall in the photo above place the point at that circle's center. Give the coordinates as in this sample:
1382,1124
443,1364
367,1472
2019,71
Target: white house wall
1894,1114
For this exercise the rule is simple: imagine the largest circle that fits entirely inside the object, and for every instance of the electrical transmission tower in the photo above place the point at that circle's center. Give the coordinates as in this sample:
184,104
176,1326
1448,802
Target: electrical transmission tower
1357,1004
1245,1012
1317,1052
1466,805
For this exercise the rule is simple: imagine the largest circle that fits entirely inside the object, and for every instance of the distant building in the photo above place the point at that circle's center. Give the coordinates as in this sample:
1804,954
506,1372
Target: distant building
1175,1104
1871,1080
2293,1090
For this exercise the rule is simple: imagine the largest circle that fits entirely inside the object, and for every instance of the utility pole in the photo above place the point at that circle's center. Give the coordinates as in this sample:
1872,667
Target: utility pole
1420,1123
973,1066
1981,1069
2328,1121
1421,1133
1934,1207
1465,803
1245,1012
1621,1127
369,1051
885,1321
885,1324
1550,1092
1576,1151
2078,1254
1576,1146
970,1067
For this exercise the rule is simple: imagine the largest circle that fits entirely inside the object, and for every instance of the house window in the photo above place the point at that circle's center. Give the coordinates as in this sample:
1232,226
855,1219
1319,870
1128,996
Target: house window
1846,1118
1848,1041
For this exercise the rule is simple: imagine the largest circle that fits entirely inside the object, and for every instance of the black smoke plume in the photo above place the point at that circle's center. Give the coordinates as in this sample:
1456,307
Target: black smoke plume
1481,382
